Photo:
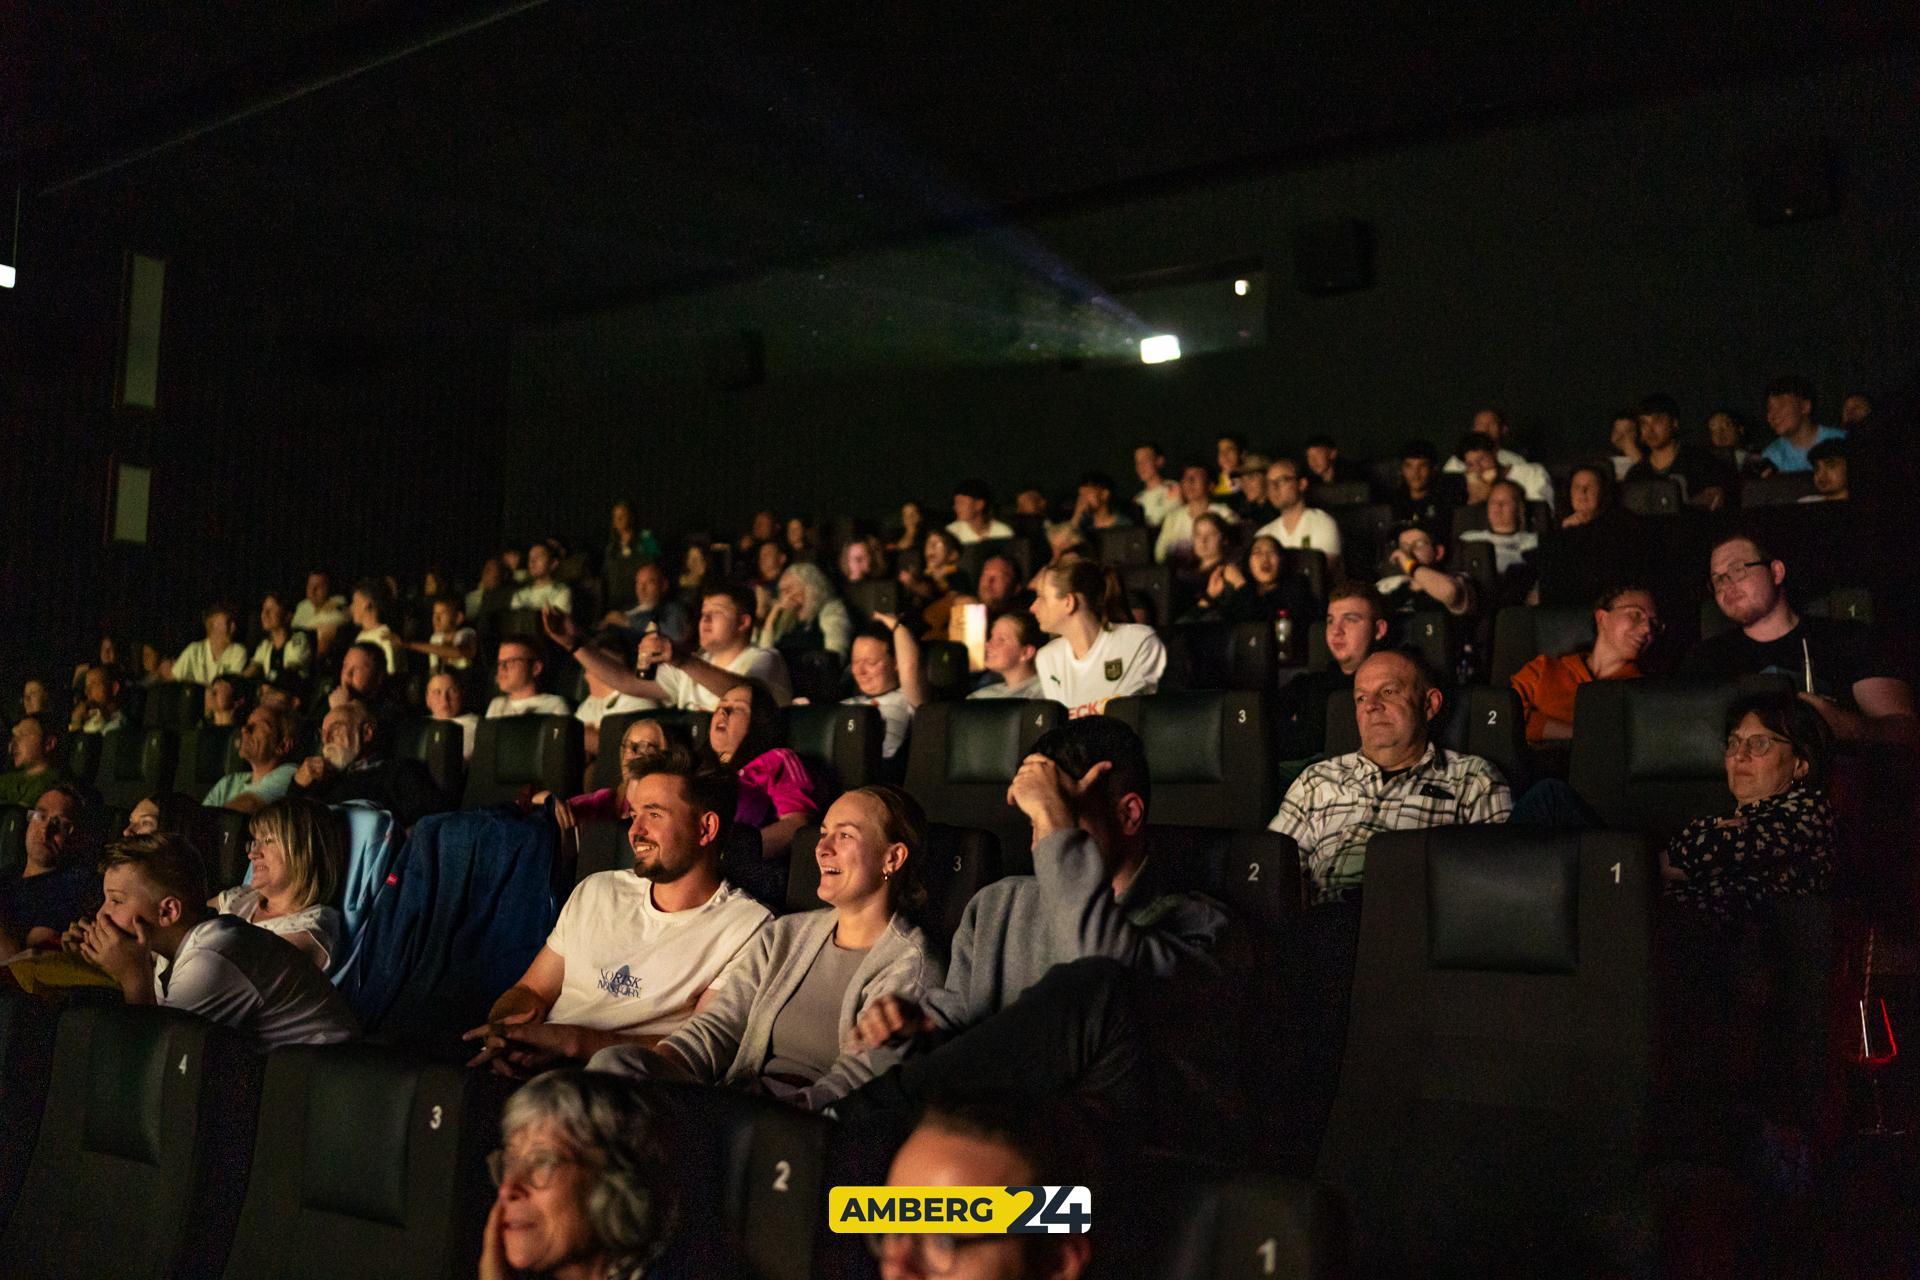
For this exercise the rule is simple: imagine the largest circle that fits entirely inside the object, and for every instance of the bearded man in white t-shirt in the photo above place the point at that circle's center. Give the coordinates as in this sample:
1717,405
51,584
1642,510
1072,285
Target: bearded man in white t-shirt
1299,527
634,951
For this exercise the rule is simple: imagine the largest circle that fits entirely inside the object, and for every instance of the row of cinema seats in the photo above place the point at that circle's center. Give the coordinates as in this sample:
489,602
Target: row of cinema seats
1491,1106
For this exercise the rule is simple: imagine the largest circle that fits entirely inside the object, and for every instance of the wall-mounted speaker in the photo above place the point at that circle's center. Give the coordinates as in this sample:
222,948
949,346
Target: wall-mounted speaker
1793,181
137,379
1335,256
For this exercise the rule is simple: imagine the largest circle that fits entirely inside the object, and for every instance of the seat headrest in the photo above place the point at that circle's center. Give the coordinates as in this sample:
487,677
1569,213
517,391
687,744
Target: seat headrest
358,1169
983,740
1503,900
1673,732
126,1076
1181,733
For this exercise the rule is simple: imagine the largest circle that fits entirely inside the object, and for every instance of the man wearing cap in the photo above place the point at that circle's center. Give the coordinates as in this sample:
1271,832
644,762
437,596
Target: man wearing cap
1250,490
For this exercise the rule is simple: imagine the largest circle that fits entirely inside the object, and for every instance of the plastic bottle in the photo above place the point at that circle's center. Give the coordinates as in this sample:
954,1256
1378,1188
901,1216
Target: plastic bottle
1283,637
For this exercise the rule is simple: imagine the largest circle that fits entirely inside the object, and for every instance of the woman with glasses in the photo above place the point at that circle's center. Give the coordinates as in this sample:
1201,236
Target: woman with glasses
294,859
1625,622
780,1017
586,1188
1780,836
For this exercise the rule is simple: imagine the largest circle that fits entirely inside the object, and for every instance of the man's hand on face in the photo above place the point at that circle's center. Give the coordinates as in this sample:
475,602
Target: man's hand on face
1048,796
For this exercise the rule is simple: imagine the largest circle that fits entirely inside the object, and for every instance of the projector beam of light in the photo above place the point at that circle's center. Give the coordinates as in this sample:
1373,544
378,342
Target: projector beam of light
1159,349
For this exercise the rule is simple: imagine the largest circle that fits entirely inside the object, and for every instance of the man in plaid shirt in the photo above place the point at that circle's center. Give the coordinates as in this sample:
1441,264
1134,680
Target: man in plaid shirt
1397,781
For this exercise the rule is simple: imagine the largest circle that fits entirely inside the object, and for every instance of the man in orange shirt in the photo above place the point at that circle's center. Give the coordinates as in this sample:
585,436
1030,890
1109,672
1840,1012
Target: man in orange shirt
1624,623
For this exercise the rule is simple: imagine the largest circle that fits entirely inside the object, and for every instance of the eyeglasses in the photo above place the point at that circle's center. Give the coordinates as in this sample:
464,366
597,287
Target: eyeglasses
259,842
1755,746
54,821
935,1255
1719,580
535,1172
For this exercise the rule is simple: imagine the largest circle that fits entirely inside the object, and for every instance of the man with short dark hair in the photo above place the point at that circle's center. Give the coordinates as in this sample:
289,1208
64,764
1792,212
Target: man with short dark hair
1399,780
1706,481
517,668
1790,415
1093,504
692,681
1854,410
1013,639
973,514
32,754
1356,626
54,888
634,950
266,746
98,708
363,679
1829,459
1836,665
1422,579
1157,495
351,766
1324,463
1483,469
217,966
1491,425
452,645
543,590
1421,498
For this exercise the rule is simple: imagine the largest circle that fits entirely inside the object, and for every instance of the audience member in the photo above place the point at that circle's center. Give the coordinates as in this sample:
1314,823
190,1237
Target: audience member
801,539
369,609
863,559
1491,426
807,616
363,679
940,584
886,672
783,1014
1030,502
1249,502
494,592
33,768
1854,410
1590,497
973,516
1191,577
586,1190
265,744
695,568
34,699
1727,438
1624,436
1259,589
218,966
217,654
636,950
1175,542
1422,579
1093,504
281,650
452,645
55,886
1484,470
1707,481
913,528
1325,465
1013,641
1227,452
320,611
543,590
642,740
1092,659
770,560
691,681
1835,664
517,669
760,530
351,767
161,813
1399,780
602,699
1356,626
1790,415
627,550
1420,498
296,859
222,702
1829,459
1780,839
1512,541
1298,526
653,608
777,794
98,709
1625,621
446,701
1157,496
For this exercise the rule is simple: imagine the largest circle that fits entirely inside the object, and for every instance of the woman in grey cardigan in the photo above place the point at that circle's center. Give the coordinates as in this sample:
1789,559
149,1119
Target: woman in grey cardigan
779,1017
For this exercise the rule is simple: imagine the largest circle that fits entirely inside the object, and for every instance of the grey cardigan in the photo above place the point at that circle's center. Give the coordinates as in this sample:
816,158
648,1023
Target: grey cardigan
734,1033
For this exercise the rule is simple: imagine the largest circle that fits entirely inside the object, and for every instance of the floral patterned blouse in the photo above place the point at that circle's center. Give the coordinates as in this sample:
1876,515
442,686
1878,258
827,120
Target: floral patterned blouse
1781,844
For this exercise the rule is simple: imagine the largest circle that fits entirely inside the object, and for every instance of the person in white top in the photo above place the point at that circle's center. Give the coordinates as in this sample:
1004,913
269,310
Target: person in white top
368,610
691,681
445,701
1299,527
603,699
1091,659
295,858
281,648
1196,499
1157,496
218,654
886,671
542,591
453,644
516,671
1485,467
634,951
1488,423
972,519
156,938
321,612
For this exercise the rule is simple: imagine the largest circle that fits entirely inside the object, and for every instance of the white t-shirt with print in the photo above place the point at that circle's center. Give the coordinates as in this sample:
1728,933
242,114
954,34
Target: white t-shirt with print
594,710
540,704
963,532
544,595
1124,660
197,665
895,712
634,968
753,662
1316,531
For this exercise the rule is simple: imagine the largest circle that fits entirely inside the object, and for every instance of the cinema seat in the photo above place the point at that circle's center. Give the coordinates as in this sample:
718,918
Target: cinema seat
1210,756
605,770
1128,545
1236,1227
1152,583
944,665
512,754
1492,1102
26,1061
1521,633
369,1162
438,744
604,846
13,839
1311,565
841,743
753,1186
1255,874
135,763
1650,755
1363,534
1342,495
1475,719
1435,634
80,756
1782,489
173,704
962,757
141,1156
208,753
956,864
1220,656
1652,496
221,835
816,675
875,595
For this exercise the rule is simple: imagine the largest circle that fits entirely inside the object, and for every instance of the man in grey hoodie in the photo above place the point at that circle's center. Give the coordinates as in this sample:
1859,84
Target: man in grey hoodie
1042,968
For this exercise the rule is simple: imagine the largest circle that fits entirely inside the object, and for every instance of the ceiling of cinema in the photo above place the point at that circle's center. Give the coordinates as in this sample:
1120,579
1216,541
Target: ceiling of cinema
578,153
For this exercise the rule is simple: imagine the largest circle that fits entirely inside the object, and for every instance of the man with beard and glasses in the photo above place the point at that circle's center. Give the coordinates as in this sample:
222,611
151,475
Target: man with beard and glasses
351,767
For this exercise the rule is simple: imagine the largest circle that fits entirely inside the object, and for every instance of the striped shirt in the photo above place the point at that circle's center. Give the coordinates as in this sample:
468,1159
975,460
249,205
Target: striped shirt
1337,805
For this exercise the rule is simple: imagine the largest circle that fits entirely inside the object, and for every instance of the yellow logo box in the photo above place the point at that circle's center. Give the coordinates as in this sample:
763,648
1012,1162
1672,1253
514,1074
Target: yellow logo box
960,1210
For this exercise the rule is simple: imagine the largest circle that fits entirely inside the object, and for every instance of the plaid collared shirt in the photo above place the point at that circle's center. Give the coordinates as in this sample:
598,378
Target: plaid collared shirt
1337,805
